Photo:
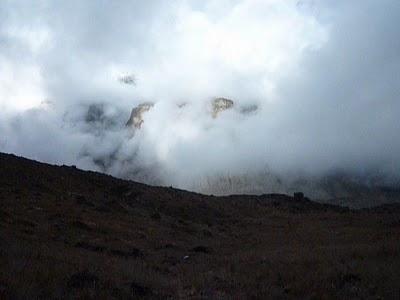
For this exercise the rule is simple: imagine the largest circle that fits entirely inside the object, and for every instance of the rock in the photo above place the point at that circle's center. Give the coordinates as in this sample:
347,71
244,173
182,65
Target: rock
99,115
95,113
182,105
248,109
220,104
128,79
136,119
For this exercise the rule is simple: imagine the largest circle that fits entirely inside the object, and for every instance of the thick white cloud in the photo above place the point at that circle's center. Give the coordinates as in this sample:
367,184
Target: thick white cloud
324,75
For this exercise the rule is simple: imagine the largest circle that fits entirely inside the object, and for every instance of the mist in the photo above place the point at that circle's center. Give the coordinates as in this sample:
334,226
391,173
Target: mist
323,79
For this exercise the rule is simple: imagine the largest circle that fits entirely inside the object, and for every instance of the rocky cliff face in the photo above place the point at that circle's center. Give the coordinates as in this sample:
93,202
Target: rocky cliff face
221,104
218,105
136,119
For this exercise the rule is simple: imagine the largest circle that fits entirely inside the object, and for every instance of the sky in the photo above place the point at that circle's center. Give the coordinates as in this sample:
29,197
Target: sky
324,76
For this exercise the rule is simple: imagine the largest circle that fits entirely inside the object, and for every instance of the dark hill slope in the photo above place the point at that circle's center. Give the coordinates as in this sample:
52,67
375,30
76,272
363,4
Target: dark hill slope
67,233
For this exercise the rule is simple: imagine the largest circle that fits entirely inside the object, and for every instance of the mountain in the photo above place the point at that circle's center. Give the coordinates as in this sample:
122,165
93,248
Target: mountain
112,129
339,188
68,233
136,119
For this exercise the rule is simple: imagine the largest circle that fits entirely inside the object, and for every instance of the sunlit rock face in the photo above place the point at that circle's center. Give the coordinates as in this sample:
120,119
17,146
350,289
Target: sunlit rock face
136,119
218,105
221,104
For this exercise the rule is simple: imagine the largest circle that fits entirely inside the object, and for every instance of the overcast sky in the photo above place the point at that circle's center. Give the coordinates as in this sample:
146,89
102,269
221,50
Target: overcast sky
325,76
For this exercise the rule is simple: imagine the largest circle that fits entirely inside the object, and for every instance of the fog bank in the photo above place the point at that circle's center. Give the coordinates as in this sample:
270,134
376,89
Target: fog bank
315,90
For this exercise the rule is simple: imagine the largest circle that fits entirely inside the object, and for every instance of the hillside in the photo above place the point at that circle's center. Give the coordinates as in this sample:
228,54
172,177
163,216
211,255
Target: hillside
68,233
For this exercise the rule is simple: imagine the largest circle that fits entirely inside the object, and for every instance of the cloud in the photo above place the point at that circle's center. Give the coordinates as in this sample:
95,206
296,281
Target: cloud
324,78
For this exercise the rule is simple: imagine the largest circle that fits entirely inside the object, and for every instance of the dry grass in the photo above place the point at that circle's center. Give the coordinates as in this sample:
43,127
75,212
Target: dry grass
70,234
